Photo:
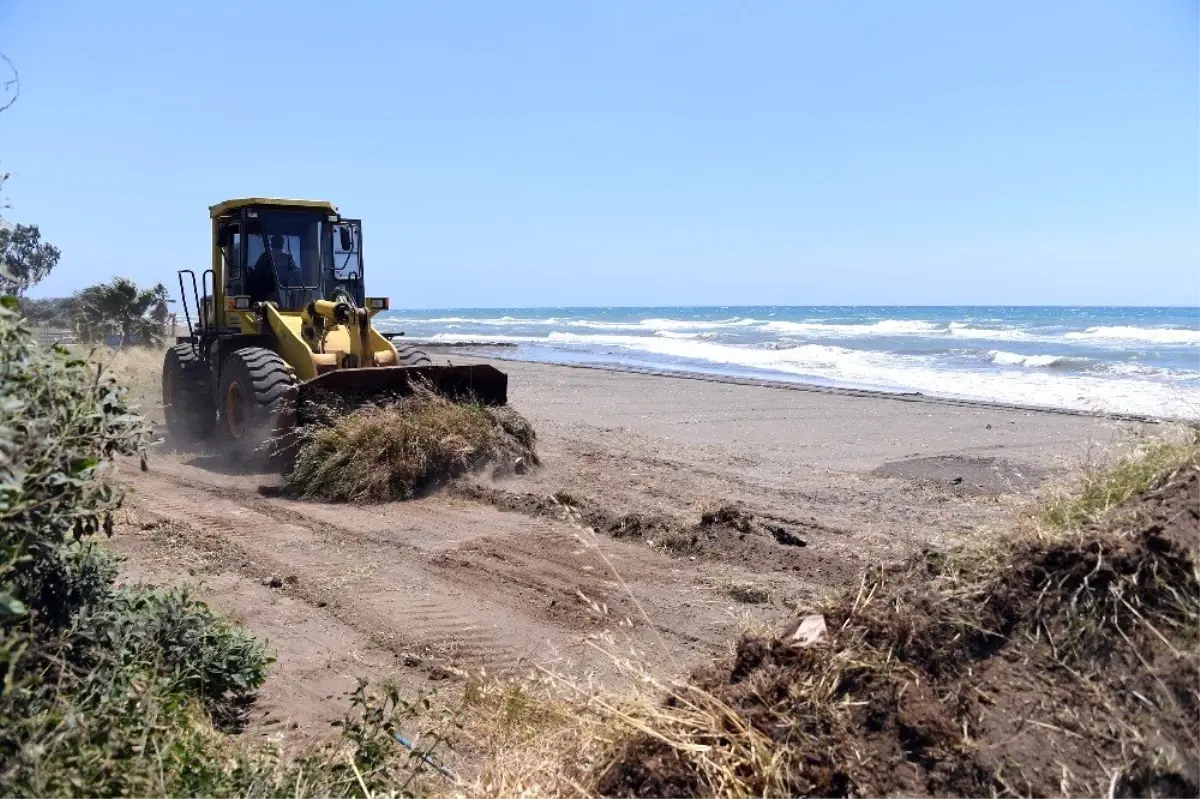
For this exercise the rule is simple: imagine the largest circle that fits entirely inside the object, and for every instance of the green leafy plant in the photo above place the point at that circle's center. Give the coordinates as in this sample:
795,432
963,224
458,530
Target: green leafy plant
108,690
62,423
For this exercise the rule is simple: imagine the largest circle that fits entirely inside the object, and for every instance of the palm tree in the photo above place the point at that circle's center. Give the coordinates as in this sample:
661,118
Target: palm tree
119,307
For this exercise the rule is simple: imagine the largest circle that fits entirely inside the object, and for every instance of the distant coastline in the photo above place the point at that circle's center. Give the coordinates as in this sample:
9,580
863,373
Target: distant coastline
1141,362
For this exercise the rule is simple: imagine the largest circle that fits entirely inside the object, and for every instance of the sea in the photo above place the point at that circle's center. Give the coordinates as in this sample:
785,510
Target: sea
1142,361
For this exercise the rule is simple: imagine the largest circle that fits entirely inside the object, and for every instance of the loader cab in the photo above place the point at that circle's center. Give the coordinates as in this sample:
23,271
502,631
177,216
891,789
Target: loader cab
288,255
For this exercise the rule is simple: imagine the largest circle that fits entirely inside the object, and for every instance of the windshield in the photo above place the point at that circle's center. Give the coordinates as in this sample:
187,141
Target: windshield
287,244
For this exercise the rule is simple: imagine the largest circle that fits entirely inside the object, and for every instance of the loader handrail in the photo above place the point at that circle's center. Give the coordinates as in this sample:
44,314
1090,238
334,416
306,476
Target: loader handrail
187,314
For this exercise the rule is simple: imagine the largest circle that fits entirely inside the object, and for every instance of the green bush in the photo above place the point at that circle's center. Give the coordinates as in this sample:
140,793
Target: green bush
169,632
113,691
121,696
100,683
62,422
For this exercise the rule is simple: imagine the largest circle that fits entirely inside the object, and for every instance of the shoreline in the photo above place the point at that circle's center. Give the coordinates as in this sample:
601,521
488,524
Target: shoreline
471,349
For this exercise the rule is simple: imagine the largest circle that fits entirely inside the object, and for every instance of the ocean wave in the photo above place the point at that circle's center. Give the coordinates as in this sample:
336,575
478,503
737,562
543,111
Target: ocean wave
1168,394
696,324
697,349
1003,358
992,333
501,321
887,327
648,325
1124,333
904,327
1090,365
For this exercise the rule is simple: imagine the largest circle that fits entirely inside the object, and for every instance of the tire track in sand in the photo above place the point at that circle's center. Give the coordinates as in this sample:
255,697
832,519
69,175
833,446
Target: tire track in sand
384,592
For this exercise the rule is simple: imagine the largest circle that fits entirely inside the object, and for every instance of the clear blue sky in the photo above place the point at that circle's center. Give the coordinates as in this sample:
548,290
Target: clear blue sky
628,152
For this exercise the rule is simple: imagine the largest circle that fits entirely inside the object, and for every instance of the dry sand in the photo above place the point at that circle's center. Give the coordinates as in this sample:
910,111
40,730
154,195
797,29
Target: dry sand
495,577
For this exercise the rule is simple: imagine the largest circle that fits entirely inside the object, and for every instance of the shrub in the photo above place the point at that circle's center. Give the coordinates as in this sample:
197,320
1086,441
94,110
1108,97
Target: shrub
104,704
62,422
99,682
113,691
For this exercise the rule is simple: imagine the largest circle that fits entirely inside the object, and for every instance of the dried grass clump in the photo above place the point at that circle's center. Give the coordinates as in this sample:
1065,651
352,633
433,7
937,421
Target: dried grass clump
403,449
747,593
527,739
138,369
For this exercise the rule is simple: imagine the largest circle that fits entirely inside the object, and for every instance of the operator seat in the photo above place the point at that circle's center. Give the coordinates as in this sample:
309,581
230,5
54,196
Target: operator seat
262,280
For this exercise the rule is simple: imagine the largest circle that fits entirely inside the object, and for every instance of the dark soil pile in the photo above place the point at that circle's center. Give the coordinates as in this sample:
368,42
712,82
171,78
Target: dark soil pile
729,532
1047,665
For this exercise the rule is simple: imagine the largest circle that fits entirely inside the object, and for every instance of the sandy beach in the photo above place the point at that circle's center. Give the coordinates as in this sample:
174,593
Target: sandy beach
499,575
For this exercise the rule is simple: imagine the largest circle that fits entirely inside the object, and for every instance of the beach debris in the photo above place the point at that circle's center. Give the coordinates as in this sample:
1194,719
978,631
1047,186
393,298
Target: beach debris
729,516
805,632
783,536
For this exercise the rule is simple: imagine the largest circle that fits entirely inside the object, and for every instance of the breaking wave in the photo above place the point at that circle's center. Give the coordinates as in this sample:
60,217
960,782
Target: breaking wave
1123,333
1002,358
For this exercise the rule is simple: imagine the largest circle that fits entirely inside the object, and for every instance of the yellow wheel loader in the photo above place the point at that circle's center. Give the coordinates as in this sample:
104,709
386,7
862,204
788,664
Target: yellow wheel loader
282,317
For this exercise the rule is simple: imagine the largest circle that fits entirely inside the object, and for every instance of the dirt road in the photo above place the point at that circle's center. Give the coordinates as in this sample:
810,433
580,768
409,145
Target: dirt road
498,577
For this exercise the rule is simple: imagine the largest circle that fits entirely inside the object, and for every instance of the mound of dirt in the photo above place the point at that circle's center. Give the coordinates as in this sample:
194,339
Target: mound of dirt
959,474
1064,666
406,448
729,533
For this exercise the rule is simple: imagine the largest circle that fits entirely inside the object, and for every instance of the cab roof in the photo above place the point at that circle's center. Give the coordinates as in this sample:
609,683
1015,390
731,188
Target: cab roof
222,208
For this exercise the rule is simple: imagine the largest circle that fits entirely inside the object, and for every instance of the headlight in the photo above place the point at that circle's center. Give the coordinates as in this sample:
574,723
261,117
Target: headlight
377,303
237,303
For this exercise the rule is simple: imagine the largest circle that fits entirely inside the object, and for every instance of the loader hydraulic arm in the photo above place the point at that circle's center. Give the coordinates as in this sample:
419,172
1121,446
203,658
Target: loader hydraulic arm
320,313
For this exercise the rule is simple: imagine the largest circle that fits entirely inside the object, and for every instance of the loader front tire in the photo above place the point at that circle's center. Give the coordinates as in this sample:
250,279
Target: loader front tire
411,356
187,395
251,399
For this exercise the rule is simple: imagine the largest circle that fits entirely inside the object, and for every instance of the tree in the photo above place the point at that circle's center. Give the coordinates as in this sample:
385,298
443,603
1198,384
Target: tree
26,259
120,308
49,312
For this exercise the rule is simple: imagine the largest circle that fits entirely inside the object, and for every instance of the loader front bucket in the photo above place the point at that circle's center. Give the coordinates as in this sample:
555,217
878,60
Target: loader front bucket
345,389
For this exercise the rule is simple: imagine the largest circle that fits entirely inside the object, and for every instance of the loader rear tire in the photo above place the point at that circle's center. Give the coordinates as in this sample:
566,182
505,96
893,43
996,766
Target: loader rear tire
187,395
411,356
255,384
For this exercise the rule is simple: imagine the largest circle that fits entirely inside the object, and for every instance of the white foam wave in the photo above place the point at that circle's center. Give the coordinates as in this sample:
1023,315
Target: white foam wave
1123,333
647,325
1016,359
887,327
695,324
1169,394
502,321
992,333
1142,370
